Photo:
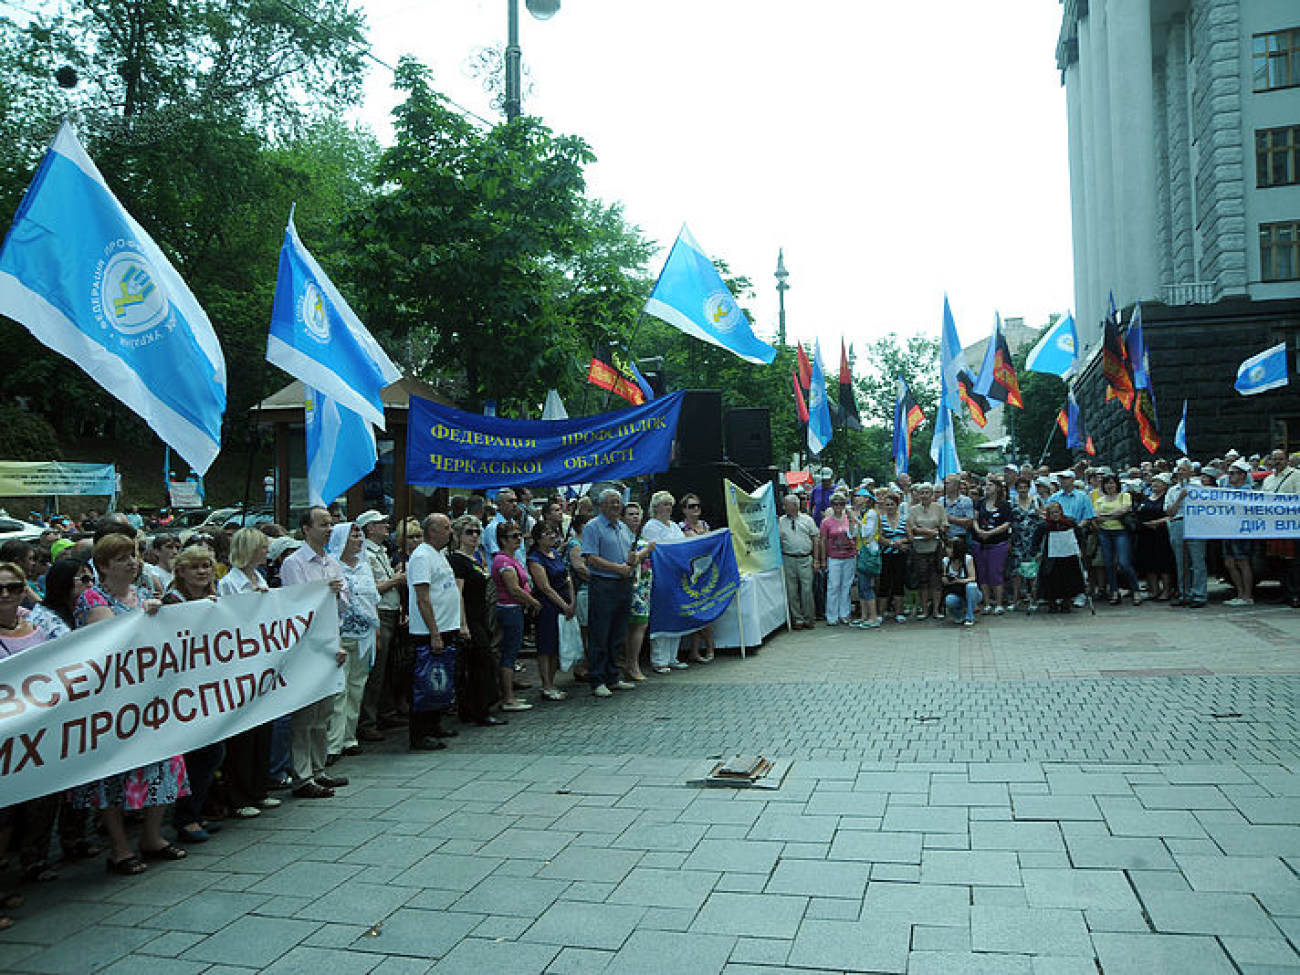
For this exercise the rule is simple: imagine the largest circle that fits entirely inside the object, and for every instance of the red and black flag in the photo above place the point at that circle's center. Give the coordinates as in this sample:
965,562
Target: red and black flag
800,406
1070,422
976,403
907,417
997,379
1144,400
612,368
849,417
1115,365
805,368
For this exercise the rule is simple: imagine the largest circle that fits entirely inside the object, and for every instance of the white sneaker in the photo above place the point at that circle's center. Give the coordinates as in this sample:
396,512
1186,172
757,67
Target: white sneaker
1080,601
600,690
516,706
553,694
623,685
247,812
680,665
900,619
270,802
998,610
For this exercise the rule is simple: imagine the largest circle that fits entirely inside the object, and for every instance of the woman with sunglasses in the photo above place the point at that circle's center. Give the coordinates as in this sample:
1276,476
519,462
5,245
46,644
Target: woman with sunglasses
153,787
476,666
549,574
65,581
514,595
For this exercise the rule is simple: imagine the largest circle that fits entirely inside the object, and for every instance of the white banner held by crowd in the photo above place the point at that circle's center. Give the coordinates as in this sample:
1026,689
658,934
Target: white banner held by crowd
1229,513
137,689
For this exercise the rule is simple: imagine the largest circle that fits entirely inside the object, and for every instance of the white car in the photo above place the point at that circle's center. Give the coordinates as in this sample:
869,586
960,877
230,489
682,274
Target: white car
11,527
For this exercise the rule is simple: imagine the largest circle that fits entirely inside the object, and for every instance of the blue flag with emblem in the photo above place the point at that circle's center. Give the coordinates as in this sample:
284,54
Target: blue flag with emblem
317,338
341,448
1263,372
691,296
1057,352
85,279
694,582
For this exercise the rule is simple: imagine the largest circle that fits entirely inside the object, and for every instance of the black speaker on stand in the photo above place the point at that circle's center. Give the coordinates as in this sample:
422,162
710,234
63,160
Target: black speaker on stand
749,437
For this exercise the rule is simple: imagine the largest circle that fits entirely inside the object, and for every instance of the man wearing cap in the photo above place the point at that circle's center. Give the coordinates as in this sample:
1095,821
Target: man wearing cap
800,548
378,708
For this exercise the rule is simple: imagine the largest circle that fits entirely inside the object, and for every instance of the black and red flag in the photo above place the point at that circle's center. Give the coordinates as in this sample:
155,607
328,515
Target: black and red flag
805,368
849,417
907,417
1115,365
612,368
997,379
977,404
800,406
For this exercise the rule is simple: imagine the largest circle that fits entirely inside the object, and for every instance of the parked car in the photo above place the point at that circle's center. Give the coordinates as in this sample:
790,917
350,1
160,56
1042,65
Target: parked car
14,528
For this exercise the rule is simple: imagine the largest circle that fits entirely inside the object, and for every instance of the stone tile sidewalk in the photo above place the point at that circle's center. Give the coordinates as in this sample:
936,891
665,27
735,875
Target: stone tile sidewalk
934,820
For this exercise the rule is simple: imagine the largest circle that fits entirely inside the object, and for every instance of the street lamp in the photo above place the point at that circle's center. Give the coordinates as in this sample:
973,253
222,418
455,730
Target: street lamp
541,10
781,288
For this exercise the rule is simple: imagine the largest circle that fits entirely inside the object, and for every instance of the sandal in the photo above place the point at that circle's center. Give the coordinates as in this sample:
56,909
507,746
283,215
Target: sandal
129,866
38,873
168,852
81,850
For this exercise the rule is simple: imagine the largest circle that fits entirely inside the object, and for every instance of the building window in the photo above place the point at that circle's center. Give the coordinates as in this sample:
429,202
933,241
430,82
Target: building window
1279,251
1277,59
1277,156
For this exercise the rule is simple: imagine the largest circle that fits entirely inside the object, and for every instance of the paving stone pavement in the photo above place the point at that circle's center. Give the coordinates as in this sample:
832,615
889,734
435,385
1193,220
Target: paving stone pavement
1048,796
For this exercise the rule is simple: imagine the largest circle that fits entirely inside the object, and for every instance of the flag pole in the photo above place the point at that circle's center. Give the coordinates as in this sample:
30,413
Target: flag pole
1047,446
254,426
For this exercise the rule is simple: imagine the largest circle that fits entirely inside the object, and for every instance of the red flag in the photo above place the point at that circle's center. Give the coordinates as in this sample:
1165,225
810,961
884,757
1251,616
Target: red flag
1114,363
1063,423
610,370
1005,386
799,403
849,416
1144,411
805,368
976,403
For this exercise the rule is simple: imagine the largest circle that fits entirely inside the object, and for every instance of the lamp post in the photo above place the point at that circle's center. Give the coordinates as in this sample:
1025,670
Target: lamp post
541,10
781,288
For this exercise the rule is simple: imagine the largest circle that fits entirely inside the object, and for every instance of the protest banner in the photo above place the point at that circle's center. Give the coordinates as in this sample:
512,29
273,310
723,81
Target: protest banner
753,522
452,448
36,479
694,582
1230,513
137,689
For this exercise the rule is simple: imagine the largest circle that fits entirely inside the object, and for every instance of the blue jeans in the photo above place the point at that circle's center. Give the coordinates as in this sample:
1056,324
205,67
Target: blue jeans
200,767
280,765
1115,551
866,585
610,604
1195,591
954,603
511,621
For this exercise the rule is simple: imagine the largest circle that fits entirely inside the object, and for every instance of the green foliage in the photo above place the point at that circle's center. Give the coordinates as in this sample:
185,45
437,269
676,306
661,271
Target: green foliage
484,257
26,436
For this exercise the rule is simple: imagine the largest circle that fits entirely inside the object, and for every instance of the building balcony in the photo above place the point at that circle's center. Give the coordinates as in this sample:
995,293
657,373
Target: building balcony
1189,293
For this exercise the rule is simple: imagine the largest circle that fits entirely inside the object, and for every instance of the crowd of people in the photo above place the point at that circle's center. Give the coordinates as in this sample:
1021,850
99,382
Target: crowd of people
1022,538
468,589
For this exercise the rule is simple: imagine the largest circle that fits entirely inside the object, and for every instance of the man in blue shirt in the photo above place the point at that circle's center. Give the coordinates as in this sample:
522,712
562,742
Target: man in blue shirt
1075,505
607,549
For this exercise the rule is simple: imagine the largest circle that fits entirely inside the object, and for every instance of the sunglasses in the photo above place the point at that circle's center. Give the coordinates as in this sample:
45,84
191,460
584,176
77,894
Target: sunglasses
691,505
472,531
12,588
86,580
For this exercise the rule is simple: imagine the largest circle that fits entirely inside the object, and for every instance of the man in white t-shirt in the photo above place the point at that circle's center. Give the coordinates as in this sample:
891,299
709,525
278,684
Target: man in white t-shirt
434,604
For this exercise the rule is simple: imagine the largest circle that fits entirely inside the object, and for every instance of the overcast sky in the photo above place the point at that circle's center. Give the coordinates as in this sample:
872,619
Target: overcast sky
896,151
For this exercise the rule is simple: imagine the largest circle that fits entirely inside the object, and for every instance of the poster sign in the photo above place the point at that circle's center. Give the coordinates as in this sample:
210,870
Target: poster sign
752,519
1230,513
38,479
694,582
137,689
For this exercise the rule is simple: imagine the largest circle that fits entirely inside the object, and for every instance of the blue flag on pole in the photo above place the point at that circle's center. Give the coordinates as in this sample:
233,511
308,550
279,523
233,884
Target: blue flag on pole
1180,435
1263,372
1057,352
691,296
951,362
87,281
694,582
819,410
943,448
340,448
1139,360
317,338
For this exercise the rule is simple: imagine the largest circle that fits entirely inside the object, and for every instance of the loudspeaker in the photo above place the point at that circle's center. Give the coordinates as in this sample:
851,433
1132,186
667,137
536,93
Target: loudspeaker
699,428
749,437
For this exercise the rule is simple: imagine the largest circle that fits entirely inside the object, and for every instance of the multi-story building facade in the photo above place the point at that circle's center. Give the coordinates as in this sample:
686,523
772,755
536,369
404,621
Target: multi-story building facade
1184,122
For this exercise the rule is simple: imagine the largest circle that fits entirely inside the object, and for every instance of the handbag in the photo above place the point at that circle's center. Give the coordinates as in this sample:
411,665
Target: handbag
868,561
571,649
433,684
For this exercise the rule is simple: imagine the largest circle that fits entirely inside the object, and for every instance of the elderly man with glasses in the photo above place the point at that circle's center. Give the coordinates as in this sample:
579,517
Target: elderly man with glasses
609,549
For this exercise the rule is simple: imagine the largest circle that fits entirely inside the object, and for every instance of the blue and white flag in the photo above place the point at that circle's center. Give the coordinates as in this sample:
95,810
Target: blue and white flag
87,281
317,338
819,410
340,448
1057,352
1180,435
951,363
943,448
1138,357
690,295
694,582
1263,372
